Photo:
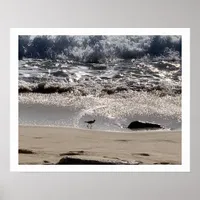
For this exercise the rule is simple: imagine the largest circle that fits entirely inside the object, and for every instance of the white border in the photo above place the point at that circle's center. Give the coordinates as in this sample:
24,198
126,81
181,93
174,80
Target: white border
184,167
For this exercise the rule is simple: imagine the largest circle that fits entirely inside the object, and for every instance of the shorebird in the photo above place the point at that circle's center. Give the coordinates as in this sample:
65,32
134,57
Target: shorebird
90,123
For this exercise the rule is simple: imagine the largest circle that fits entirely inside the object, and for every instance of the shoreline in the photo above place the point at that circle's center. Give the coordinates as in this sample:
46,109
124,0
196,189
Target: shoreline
73,116
124,130
48,145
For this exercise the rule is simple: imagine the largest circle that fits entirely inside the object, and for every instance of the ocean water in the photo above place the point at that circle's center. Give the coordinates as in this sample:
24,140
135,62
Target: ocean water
66,80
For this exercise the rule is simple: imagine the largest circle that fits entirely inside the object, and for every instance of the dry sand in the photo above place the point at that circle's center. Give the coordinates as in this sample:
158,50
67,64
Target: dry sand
48,143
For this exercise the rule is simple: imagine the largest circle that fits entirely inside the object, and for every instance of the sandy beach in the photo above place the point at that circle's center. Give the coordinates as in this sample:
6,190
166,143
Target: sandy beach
47,145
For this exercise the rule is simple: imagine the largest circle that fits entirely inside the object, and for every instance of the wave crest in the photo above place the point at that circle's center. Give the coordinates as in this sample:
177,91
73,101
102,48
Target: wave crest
98,49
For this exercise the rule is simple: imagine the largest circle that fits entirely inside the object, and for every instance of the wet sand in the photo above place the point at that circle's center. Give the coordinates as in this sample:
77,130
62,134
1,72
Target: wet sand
47,145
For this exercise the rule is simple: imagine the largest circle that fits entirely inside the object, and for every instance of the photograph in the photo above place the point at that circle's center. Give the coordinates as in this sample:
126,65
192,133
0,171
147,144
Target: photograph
99,99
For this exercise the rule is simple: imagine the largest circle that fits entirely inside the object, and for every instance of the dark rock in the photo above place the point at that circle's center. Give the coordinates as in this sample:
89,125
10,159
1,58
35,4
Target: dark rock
143,125
80,161
25,151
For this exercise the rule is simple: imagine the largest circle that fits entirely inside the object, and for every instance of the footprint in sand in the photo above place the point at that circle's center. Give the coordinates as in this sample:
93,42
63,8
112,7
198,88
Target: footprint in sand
122,140
73,153
25,151
141,154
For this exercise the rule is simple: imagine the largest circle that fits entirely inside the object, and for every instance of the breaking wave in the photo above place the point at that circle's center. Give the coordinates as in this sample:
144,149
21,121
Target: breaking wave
46,76
99,49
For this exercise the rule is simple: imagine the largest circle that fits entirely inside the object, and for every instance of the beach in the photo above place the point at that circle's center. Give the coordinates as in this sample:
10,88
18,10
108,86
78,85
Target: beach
48,145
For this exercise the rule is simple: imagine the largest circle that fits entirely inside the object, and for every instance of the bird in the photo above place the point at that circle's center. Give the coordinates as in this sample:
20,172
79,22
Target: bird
90,123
